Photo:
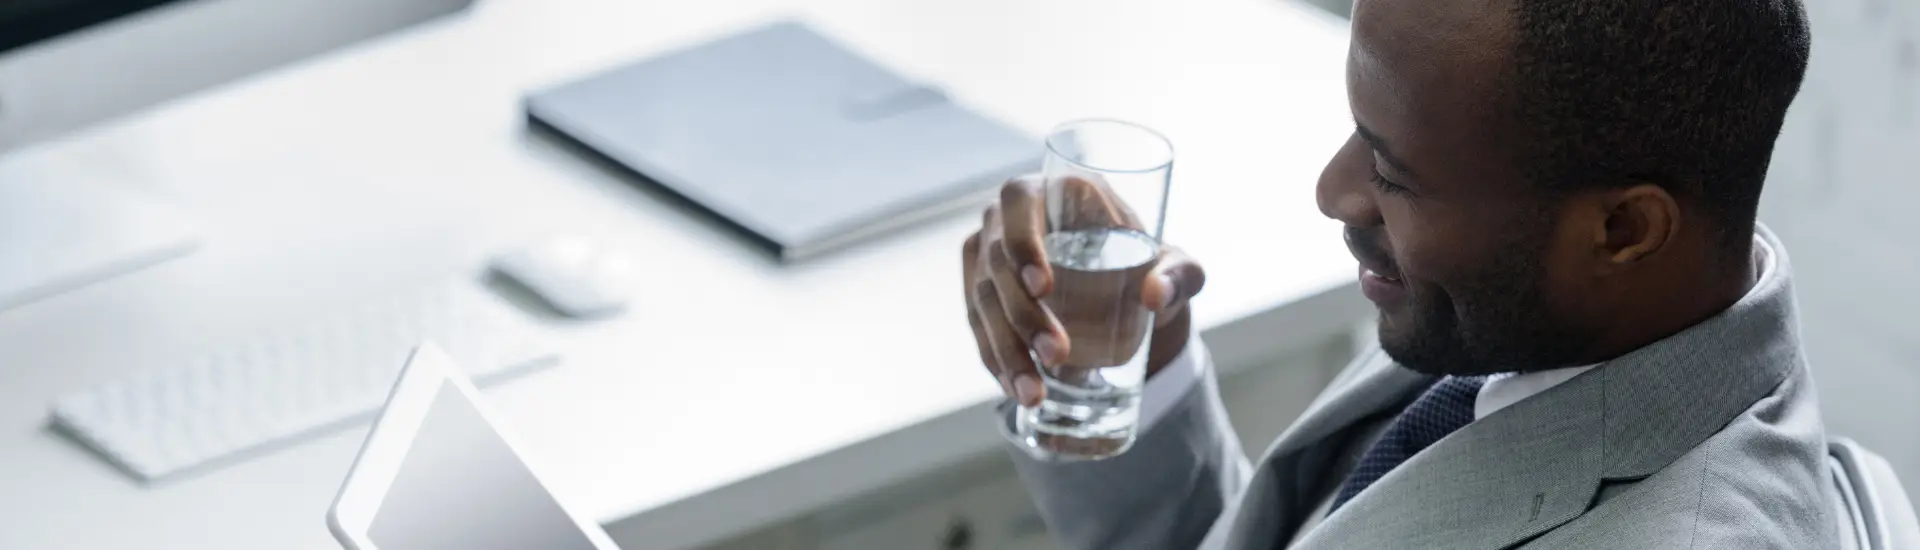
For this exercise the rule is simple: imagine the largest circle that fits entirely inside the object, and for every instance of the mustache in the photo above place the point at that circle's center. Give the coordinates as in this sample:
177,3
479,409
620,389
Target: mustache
1365,245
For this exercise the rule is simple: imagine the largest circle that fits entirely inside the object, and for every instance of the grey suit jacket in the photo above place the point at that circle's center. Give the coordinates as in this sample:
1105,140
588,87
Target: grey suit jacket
1710,438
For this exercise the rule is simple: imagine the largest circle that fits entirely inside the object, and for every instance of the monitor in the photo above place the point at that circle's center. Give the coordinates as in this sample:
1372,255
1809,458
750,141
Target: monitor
66,65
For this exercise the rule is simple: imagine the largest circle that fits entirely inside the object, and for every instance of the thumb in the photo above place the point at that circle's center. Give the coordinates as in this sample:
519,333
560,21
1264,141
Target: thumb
1174,280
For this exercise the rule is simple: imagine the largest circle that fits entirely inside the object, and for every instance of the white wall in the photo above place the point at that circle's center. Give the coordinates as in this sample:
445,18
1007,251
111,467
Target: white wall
1843,193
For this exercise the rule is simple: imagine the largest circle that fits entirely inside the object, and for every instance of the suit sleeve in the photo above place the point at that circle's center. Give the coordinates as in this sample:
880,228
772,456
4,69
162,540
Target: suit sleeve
1167,490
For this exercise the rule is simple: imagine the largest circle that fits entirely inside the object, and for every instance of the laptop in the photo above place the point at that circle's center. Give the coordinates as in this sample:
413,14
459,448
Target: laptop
800,144
435,474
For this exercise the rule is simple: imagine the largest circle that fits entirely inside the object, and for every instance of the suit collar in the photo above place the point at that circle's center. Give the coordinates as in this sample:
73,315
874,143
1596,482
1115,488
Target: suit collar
1704,376
1537,464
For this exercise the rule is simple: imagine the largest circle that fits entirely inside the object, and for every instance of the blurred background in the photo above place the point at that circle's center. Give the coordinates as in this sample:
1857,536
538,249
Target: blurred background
207,201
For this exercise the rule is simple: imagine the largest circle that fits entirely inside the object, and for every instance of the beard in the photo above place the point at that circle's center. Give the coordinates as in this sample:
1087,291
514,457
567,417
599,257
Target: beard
1500,319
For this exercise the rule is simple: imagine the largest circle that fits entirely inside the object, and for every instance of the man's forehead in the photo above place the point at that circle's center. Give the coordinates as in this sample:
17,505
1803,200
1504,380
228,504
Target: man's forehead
1465,26
1421,73
1433,43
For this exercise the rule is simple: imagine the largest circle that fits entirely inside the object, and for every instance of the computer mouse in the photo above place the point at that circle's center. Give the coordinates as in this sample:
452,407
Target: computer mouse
579,276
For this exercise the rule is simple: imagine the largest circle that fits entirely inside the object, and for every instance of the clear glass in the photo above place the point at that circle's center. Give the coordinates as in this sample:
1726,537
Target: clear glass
1107,183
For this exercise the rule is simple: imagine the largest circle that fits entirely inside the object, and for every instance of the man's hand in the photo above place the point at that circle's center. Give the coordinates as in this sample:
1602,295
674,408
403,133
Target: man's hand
1006,275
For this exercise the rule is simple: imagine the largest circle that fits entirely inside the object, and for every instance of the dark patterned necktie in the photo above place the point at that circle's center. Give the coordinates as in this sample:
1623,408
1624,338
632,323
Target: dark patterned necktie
1445,407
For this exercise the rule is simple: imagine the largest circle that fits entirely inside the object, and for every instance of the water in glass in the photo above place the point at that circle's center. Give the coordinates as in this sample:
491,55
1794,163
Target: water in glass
1093,397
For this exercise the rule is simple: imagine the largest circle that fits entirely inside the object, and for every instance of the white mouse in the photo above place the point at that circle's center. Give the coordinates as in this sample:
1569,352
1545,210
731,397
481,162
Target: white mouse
577,275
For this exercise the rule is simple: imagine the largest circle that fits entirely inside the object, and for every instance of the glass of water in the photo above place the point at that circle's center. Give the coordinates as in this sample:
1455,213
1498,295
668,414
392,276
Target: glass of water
1106,192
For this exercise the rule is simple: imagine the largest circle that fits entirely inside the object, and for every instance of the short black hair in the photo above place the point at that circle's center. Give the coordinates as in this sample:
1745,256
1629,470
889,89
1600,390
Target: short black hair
1687,94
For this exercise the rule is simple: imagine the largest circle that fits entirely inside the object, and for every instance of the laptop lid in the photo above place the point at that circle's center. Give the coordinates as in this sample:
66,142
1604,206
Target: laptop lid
800,143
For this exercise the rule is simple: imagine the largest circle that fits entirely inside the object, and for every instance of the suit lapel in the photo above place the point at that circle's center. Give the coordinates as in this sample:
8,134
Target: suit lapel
1275,502
1373,385
1499,481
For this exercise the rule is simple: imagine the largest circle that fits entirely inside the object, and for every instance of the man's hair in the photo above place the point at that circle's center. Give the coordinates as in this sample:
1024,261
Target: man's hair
1686,94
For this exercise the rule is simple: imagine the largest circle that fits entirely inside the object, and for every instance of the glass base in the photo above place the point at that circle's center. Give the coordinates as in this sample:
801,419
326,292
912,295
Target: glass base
1044,439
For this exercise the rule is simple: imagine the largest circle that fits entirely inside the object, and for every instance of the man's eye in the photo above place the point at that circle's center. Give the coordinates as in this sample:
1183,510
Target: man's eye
1387,187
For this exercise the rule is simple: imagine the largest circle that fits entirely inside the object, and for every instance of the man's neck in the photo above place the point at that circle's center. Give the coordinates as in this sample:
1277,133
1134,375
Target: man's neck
1668,309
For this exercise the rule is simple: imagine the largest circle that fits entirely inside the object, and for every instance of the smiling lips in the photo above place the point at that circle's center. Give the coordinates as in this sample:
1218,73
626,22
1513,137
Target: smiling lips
1381,288
1379,281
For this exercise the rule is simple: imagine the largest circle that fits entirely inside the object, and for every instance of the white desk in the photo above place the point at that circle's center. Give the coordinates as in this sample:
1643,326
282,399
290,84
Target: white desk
404,161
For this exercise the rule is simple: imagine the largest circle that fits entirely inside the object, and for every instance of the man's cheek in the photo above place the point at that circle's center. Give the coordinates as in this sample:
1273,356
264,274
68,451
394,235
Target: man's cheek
1420,258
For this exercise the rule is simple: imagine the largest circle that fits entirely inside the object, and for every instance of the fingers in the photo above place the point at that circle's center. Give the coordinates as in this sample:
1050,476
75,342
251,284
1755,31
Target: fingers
1007,272
996,337
1093,204
1023,227
1030,319
985,347
969,253
1016,366
1174,280
1022,220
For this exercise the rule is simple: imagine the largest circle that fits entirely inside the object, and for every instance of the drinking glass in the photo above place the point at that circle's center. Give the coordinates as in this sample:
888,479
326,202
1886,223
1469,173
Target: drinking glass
1106,193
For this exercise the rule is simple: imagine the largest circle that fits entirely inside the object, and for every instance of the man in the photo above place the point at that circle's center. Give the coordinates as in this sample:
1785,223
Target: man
1585,340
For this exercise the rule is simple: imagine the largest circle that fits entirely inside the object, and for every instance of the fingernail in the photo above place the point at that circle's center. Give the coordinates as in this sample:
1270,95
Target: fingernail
1031,277
1027,388
1047,348
1166,290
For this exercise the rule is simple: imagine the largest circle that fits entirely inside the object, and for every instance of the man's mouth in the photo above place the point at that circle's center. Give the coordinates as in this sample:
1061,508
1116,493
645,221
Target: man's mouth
1379,280
1365,272
1383,289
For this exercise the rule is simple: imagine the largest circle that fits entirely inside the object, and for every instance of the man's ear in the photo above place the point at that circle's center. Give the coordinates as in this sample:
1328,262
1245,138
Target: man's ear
1639,222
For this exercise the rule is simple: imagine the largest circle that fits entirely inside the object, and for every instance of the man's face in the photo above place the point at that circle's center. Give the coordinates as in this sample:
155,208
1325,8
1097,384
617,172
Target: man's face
1467,262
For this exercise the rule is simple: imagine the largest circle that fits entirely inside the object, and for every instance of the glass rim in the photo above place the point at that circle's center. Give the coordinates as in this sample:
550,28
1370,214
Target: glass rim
1064,127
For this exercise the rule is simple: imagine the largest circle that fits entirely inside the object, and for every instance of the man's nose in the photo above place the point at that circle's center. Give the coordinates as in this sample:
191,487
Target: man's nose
1343,193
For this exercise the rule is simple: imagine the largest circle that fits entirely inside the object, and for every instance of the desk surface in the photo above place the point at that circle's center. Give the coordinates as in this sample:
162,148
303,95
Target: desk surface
404,161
